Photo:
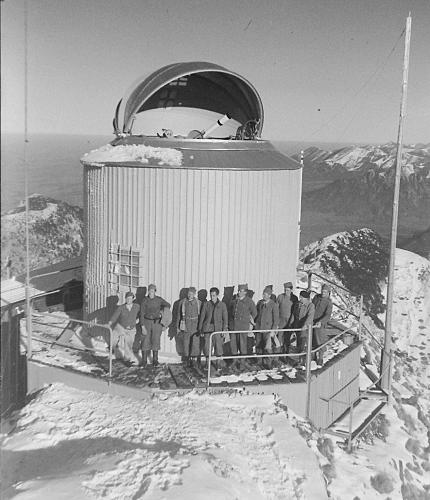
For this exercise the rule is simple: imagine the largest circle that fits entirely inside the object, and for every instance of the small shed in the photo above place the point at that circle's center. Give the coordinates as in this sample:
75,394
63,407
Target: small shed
188,194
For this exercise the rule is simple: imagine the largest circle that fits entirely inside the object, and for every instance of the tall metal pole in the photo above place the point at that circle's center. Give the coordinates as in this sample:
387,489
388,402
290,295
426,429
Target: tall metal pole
27,239
387,351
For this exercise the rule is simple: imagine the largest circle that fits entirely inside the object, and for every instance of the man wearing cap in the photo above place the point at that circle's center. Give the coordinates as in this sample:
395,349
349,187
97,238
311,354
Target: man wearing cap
213,318
124,318
242,314
150,320
323,309
286,303
303,311
267,319
187,324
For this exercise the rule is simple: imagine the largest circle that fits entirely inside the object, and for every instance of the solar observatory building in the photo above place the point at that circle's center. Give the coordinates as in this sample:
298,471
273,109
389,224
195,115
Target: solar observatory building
188,194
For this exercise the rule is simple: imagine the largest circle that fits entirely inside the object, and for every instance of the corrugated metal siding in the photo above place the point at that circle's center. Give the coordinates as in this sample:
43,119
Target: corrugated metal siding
95,270
195,227
339,384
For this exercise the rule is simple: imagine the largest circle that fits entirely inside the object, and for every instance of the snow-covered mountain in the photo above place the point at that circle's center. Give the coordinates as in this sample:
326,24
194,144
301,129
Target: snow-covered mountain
55,229
393,455
381,158
362,179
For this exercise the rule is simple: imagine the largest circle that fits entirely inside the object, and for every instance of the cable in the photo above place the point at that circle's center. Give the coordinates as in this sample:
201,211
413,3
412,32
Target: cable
362,87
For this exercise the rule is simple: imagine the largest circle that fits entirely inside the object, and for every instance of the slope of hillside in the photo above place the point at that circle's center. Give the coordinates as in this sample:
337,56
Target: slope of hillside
55,228
392,459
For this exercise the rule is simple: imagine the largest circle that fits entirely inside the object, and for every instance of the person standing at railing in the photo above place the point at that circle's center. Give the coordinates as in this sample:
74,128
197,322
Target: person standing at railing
124,318
303,311
323,309
286,303
214,318
242,313
150,321
187,325
267,319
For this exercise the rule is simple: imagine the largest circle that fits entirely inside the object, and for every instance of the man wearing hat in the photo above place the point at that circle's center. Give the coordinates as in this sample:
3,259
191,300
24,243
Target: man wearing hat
242,314
150,320
124,318
303,312
267,319
286,303
214,318
187,324
323,309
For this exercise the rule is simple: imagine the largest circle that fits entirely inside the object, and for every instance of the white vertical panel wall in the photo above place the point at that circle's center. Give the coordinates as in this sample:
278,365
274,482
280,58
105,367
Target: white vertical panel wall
193,227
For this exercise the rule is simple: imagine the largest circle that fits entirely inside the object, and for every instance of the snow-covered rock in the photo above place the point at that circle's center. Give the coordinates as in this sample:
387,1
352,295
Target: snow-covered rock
55,231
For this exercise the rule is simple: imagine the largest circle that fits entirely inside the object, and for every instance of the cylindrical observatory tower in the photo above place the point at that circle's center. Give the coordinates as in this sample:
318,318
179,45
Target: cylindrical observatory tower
168,203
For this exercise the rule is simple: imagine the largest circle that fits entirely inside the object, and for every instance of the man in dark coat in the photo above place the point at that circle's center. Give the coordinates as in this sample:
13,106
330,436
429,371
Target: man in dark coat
187,325
267,319
150,320
242,315
323,309
303,311
213,318
124,318
286,303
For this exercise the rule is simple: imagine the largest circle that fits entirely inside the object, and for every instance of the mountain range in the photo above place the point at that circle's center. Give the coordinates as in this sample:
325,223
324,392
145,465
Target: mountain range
358,181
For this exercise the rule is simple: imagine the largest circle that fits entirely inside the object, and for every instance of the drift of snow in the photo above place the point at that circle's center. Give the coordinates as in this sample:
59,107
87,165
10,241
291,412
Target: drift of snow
71,443
133,153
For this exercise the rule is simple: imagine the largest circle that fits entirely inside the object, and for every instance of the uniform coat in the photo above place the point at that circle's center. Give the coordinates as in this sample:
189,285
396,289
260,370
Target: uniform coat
213,318
286,318
242,311
323,310
303,318
187,324
150,320
267,319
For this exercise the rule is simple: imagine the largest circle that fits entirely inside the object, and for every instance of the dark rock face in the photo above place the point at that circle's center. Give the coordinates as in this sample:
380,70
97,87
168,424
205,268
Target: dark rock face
357,260
56,233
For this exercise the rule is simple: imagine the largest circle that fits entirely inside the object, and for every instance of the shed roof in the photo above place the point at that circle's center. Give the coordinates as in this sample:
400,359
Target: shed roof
191,84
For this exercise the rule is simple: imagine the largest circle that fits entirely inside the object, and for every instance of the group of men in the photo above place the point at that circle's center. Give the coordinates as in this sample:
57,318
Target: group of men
196,321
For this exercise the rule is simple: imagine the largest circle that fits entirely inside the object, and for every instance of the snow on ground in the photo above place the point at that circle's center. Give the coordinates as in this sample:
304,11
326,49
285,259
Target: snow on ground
73,444
133,152
392,458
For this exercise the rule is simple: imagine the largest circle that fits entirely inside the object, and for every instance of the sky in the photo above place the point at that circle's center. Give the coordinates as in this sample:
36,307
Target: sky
325,69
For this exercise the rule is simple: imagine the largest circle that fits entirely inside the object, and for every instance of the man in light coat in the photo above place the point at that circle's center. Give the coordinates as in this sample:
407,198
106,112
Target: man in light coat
124,318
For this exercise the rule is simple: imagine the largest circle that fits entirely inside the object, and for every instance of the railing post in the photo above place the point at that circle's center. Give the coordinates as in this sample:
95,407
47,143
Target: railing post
308,371
110,353
360,318
29,326
209,360
351,409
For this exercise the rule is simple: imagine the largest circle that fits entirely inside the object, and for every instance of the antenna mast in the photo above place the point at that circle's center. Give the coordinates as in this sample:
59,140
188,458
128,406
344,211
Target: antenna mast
386,360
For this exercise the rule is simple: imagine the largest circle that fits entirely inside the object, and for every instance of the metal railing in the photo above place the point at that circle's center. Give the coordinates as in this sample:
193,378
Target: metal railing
31,336
308,353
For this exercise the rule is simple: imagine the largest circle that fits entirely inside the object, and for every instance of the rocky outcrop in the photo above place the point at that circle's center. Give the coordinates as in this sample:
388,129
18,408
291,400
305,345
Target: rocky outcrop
55,233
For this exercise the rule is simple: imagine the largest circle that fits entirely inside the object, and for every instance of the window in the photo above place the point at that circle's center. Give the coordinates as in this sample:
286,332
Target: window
125,268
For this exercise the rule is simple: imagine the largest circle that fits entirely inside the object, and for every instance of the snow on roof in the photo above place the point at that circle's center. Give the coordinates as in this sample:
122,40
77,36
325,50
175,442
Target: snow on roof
133,153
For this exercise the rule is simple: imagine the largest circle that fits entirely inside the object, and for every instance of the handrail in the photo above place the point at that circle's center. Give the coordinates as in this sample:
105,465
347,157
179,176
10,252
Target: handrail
90,324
